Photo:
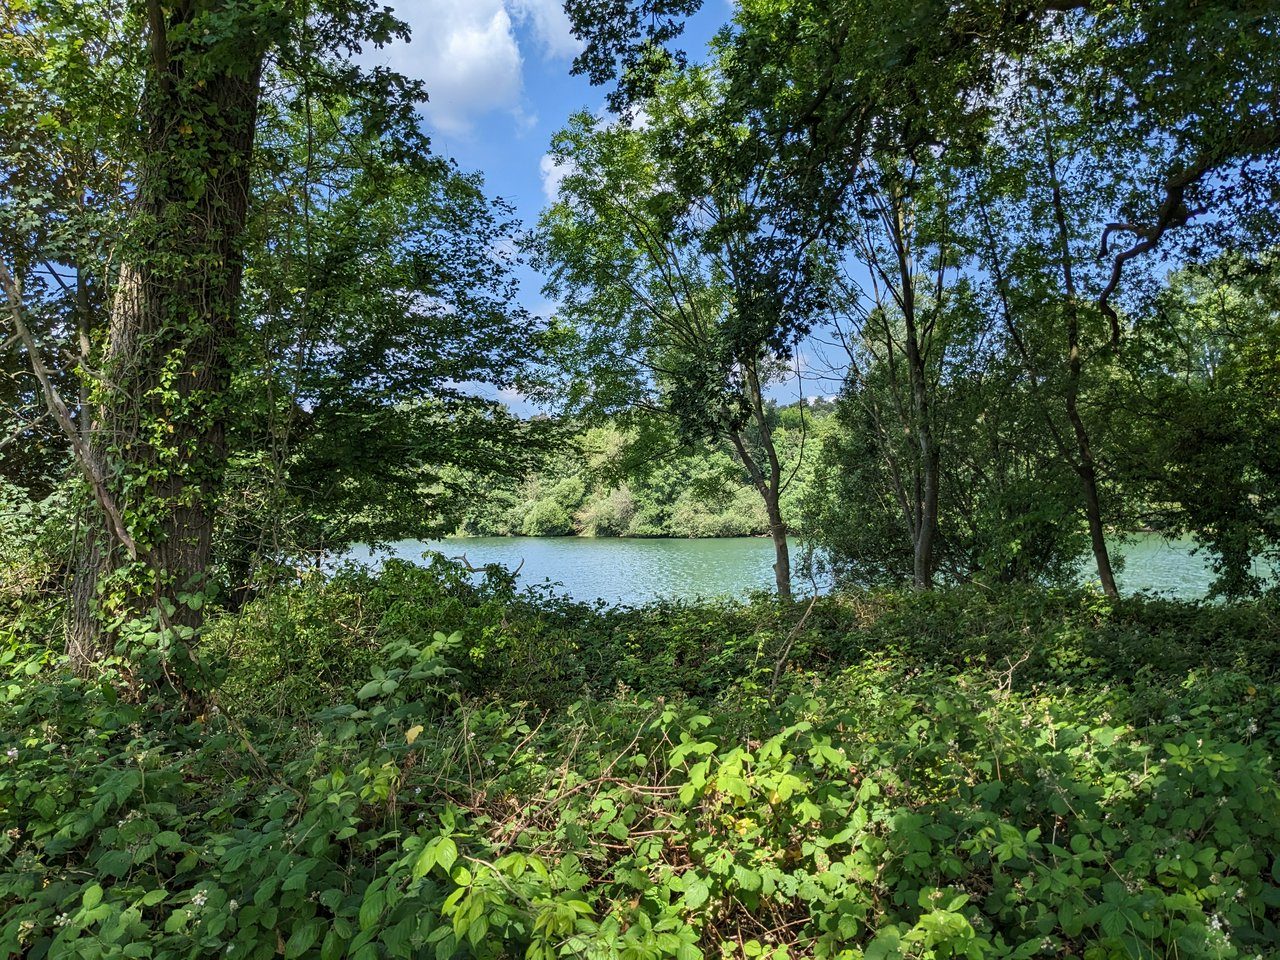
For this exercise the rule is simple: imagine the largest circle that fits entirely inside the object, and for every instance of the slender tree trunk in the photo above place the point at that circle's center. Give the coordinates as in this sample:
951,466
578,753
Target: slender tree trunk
781,549
771,493
1085,467
1093,508
926,527
768,485
158,429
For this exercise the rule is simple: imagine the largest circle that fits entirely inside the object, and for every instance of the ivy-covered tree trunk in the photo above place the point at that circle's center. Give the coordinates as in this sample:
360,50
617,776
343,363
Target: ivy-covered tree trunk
158,415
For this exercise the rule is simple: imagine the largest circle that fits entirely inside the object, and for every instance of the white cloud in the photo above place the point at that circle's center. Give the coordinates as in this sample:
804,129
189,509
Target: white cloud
550,26
553,175
468,54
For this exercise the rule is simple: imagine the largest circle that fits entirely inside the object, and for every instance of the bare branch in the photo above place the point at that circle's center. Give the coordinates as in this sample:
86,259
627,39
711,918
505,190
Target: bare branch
58,410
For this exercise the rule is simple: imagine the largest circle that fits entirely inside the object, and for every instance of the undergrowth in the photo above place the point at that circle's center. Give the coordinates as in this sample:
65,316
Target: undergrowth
416,764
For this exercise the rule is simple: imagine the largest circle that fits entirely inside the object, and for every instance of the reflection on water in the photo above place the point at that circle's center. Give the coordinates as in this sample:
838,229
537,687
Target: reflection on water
637,571
613,569
1148,562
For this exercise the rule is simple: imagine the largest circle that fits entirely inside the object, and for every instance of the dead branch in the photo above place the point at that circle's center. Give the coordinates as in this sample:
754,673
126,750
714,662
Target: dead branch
470,568
58,410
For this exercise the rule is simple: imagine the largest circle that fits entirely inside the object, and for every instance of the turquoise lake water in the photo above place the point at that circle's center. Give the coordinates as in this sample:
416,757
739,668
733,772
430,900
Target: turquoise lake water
636,571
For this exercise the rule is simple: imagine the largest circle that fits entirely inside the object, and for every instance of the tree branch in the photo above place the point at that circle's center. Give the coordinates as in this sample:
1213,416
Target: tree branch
58,410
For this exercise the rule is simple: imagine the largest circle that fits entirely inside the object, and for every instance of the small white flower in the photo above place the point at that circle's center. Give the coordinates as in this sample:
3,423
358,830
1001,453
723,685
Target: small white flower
12,753
199,898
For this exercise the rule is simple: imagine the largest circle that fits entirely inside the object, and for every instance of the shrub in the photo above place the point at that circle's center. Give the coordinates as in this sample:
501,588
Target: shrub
475,771
547,518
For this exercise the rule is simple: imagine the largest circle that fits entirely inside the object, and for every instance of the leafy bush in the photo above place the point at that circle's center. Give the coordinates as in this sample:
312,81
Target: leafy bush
35,542
609,516
473,771
547,518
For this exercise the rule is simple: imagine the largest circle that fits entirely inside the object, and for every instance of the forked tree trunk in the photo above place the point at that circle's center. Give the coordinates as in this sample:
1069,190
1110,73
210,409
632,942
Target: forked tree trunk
926,526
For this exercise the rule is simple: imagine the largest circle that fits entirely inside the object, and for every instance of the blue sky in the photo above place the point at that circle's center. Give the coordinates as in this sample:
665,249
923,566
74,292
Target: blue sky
497,72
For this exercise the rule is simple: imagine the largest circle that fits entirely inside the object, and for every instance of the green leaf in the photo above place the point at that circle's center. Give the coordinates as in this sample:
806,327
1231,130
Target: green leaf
447,853
696,893
168,839
332,948
115,863
302,938
425,861
92,896
371,909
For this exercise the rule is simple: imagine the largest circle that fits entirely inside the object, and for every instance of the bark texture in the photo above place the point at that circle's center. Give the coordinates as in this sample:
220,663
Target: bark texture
157,427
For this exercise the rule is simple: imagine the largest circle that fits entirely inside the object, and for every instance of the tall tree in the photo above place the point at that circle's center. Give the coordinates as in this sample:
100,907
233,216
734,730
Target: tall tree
898,327
156,418
1201,436
379,284
686,294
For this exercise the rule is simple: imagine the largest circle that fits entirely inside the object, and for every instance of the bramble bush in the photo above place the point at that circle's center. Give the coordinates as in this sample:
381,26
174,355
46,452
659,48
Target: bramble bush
391,771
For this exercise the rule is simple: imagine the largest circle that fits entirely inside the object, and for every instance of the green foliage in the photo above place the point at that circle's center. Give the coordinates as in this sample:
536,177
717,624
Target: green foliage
899,775
35,541
1207,360
371,438
624,480
547,518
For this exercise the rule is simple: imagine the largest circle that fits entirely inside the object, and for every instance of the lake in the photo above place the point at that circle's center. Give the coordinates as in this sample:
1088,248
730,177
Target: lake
636,571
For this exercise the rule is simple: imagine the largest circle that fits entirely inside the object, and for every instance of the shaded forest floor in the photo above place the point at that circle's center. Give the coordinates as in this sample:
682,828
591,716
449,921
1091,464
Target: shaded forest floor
413,764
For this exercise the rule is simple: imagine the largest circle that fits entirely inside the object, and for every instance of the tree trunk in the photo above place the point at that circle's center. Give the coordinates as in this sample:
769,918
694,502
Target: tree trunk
768,485
87,643
781,549
1085,467
926,527
158,428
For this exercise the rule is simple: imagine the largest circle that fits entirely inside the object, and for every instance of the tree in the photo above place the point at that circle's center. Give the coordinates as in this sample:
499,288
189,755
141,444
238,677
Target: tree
60,190
902,326
151,437
1202,444
379,286
1193,78
681,288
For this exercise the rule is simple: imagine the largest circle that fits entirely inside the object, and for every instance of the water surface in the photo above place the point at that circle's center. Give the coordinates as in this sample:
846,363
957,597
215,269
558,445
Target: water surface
614,569
641,570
